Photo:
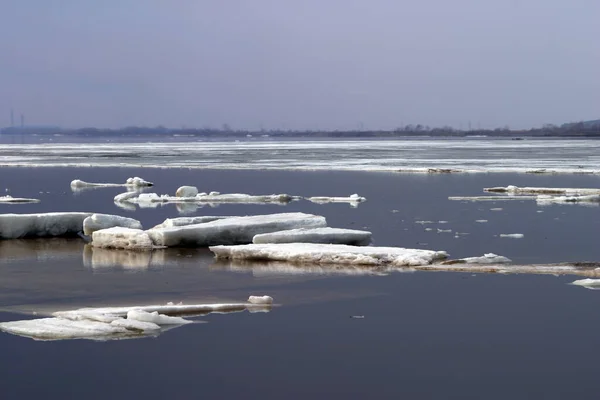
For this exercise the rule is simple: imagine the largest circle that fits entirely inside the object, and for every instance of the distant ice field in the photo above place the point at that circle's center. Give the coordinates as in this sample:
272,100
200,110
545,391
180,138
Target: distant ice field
410,155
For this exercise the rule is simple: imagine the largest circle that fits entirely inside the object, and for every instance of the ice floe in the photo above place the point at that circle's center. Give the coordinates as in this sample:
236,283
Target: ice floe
588,283
235,230
111,323
574,199
122,238
260,300
491,198
210,198
330,253
17,200
543,190
102,221
489,258
354,198
134,182
14,226
316,235
183,221
186,191
512,235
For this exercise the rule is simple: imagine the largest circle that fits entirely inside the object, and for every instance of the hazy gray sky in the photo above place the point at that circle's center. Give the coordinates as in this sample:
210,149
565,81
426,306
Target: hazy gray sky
301,64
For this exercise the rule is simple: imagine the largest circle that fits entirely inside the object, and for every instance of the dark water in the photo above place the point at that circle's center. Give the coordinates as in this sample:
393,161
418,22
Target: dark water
424,335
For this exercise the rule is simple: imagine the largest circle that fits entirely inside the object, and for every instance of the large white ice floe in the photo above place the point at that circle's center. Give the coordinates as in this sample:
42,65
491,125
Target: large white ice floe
330,254
17,200
14,226
134,182
354,198
110,323
183,221
316,235
235,230
543,190
210,198
96,222
122,238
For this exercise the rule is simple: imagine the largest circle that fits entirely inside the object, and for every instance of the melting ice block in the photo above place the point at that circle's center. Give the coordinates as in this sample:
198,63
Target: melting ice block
118,322
14,226
354,198
211,198
186,191
183,221
132,182
260,300
14,200
316,235
587,283
542,190
489,258
96,222
234,230
330,254
122,238
590,198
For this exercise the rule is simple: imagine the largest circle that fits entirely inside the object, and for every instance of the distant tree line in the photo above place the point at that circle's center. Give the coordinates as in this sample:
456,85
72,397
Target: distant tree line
578,129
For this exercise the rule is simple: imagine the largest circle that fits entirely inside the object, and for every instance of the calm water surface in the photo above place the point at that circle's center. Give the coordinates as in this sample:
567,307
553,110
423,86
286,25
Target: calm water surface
424,335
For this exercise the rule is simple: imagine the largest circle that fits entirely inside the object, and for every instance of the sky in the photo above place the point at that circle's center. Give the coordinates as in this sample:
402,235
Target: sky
290,64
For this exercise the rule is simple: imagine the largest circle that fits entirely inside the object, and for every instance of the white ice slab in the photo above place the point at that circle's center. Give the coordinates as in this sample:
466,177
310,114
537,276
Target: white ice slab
316,235
122,238
491,198
354,198
542,190
186,191
117,322
16,200
260,300
96,222
235,230
546,199
14,226
489,258
512,235
211,198
134,182
330,254
183,221
588,283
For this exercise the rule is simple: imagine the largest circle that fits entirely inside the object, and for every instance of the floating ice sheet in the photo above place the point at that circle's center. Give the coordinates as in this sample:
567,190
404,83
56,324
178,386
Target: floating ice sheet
543,190
183,221
574,199
330,254
17,200
491,198
354,198
234,230
149,198
316,235
588,283
512,235
14,226
489,258
78,184
111,323
96,222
